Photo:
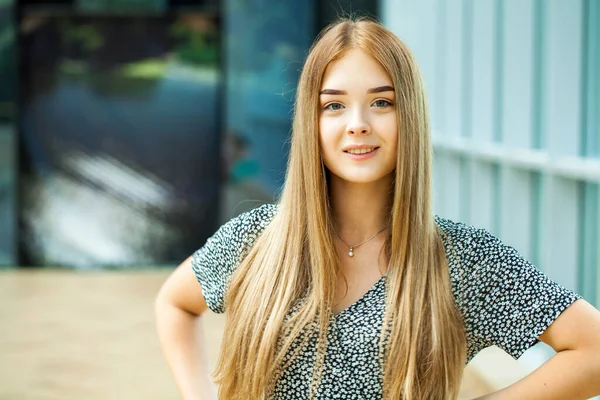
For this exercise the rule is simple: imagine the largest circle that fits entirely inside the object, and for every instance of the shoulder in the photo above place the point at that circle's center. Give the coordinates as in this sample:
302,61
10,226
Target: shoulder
469,245
247,225
461,233
235,236
504,299
461,241
264,213
476,258
216,261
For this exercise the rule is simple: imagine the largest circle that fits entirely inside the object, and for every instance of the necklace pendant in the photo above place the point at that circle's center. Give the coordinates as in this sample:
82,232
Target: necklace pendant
351,252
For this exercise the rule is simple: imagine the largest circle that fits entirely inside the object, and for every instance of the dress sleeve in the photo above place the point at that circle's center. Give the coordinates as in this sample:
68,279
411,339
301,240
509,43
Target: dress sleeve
504,299
216,261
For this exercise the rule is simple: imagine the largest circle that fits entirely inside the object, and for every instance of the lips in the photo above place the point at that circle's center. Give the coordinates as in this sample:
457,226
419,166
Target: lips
360,149
361,153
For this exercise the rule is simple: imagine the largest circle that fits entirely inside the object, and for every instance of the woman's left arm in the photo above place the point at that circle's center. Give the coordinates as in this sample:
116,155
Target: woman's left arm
572,373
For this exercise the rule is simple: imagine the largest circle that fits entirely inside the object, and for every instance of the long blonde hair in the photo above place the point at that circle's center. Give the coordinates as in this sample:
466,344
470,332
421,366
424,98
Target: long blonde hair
294,260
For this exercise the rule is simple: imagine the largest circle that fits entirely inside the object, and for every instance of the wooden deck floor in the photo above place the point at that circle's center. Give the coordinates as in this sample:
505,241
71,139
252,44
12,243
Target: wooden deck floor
90,335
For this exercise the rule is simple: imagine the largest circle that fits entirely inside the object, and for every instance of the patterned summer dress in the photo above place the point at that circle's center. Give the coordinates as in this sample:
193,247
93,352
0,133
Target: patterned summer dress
504,301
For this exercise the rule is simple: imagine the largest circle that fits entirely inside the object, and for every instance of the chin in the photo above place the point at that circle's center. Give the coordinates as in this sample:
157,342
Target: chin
366,178
363,175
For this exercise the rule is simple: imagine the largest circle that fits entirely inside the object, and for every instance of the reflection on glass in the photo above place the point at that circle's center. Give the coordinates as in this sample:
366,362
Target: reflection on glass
8,79
265,51
112,6
242,187
120,138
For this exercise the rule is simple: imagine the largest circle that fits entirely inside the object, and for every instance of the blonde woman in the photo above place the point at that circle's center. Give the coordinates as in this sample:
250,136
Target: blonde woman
349,287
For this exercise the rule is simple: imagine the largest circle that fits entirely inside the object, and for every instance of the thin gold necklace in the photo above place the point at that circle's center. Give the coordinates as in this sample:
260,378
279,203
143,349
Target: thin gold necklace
352,247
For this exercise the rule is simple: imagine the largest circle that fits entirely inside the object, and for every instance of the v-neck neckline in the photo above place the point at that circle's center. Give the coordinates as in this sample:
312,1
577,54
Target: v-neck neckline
359,300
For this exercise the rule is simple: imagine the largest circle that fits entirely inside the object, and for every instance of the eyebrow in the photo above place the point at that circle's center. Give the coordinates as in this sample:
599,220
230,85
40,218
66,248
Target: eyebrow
379,89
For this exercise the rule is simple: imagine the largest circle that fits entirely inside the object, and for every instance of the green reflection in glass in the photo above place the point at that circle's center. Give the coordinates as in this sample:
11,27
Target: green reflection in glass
8,61
121,5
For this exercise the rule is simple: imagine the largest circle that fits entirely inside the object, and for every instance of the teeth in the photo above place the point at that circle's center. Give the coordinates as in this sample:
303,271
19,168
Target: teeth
360,151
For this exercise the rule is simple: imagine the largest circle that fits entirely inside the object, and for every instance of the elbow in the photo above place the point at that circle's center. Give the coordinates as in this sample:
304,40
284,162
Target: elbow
590,360
161,300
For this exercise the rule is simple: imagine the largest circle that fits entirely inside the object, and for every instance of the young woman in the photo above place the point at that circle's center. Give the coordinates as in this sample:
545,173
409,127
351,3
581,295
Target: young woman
349,287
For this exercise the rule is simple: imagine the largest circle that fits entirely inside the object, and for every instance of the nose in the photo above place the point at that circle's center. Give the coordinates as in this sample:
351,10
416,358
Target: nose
358,125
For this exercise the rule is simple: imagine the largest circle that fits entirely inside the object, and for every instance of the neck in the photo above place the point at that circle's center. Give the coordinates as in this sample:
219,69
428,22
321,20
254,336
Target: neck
360,210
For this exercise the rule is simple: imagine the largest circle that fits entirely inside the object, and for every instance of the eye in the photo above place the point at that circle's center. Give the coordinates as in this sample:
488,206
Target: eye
333,107
382,103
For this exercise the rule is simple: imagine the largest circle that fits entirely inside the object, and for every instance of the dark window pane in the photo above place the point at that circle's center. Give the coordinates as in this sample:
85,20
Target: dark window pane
8,90
119,139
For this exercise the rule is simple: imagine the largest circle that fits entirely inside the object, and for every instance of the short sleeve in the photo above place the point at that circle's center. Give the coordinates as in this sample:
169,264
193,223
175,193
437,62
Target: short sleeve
216,261
504,299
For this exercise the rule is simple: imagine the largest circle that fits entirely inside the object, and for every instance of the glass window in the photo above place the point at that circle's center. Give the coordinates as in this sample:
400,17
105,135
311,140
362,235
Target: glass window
265,50
120,136
8,82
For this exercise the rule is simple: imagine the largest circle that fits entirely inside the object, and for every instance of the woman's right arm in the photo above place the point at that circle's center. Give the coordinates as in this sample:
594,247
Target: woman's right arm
178,308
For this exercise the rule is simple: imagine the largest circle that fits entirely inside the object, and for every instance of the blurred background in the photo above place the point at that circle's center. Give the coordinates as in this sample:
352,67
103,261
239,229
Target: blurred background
131,129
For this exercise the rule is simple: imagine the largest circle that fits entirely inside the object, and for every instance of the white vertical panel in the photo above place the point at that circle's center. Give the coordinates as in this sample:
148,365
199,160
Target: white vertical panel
517,67
598,251
425,50
389,10
563,76
406,20
400,17
483,70
515,196
447,182
560,232
453,63
481,175
438,175
438,120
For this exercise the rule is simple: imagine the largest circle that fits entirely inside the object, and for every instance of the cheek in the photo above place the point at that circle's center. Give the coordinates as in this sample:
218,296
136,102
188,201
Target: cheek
327,126
328,137
388,128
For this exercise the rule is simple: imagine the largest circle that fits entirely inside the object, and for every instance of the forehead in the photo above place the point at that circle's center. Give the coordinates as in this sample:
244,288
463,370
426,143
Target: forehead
355,68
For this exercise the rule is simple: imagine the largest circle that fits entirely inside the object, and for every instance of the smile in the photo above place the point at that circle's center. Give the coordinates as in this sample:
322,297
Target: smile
361,151
361,154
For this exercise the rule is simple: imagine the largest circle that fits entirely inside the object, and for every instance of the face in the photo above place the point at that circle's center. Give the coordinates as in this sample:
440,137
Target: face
358,129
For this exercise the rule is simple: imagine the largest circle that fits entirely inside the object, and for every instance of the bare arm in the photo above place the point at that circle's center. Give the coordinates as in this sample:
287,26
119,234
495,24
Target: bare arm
178,307
574,372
